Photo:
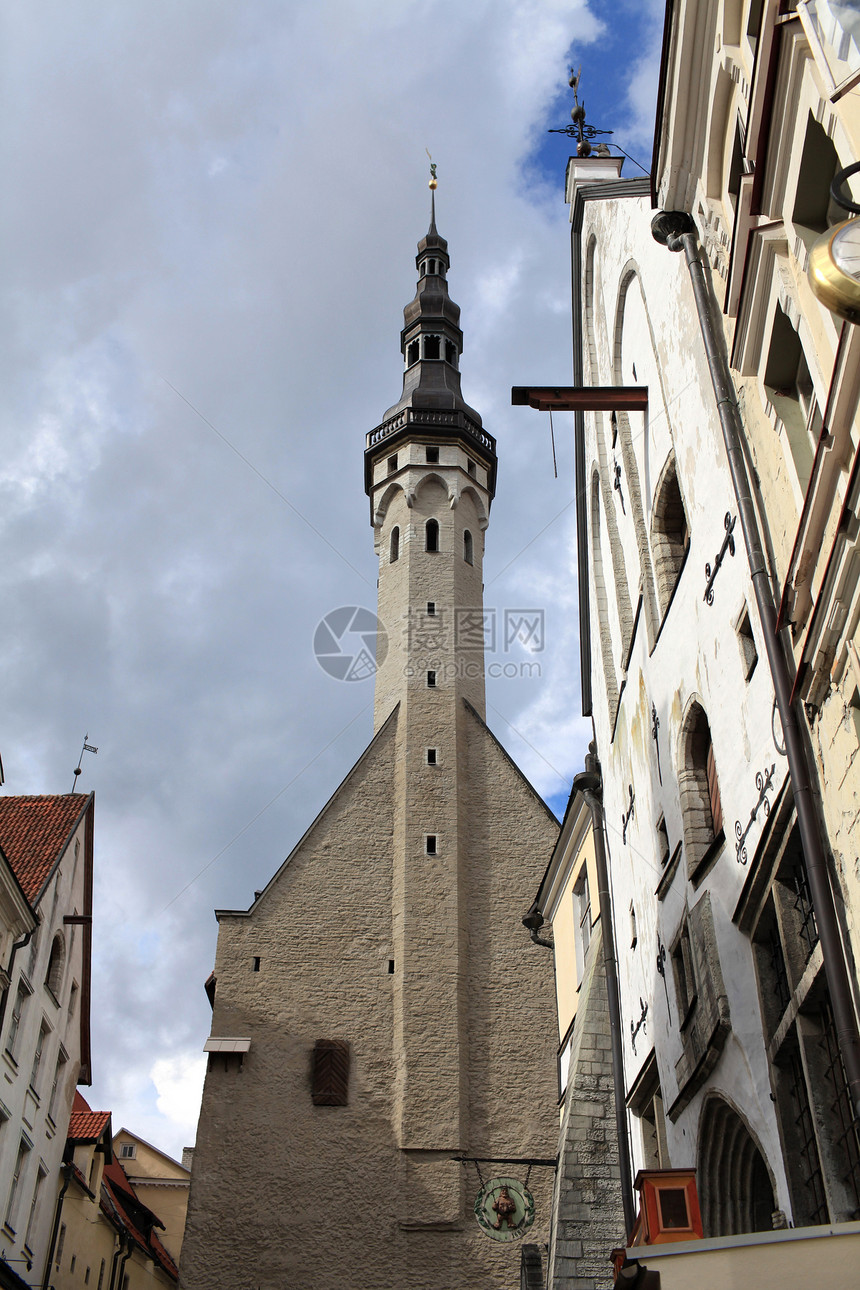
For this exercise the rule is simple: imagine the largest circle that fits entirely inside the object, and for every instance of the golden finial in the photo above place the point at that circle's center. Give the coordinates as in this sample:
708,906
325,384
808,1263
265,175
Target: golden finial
433,183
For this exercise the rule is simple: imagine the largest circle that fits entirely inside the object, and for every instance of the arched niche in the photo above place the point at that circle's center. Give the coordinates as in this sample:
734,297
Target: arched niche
736,1189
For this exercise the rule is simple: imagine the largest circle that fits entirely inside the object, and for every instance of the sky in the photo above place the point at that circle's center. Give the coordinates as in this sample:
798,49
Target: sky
209,221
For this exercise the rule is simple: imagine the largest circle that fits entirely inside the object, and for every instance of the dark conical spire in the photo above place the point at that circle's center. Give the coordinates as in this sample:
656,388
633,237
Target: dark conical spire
431,340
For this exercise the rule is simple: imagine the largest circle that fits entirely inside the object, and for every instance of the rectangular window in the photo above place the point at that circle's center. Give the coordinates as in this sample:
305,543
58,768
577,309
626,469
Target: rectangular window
431,756
15,1019
685,977
59,1070
431,680
37,1057
432,455
472,468
61,1240
430,844
431,608
127,1151
330,1073
392,464
34,1204
101,1276
15,1188
582,921
714,791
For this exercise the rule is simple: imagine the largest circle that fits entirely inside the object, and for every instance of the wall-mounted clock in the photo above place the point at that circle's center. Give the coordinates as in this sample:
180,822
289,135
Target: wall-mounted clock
834,269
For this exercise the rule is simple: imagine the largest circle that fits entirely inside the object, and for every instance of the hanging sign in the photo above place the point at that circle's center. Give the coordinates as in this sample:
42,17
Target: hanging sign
505,1209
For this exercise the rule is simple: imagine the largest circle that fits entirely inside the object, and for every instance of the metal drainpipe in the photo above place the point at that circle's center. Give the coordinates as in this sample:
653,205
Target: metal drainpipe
67,1170
677,231
590,784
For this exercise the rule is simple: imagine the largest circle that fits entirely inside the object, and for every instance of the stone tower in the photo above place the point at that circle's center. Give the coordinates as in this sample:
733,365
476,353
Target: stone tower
379,1009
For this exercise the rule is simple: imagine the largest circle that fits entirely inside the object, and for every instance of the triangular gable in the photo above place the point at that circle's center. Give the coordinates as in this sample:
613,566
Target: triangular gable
509,759
365,756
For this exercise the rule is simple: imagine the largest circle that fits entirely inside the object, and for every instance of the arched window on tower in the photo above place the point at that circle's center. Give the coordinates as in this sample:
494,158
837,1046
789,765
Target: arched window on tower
432,535
450,353
670,534
467,547
412,353
431,347
431,266
394,551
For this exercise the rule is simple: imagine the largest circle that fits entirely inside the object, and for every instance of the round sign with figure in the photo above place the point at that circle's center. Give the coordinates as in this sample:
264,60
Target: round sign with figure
505,1209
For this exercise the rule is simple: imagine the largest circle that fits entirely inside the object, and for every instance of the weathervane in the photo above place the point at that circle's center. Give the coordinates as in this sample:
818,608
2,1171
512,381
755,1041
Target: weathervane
86,748
433,182
580,129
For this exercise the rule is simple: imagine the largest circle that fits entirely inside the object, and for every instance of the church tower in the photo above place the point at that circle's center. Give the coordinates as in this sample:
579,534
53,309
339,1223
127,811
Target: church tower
379,1010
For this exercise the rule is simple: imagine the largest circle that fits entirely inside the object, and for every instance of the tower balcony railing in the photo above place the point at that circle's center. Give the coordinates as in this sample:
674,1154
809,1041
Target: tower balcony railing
432,420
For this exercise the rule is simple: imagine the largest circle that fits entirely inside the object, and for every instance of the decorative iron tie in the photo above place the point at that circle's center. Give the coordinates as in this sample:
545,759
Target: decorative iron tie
728,544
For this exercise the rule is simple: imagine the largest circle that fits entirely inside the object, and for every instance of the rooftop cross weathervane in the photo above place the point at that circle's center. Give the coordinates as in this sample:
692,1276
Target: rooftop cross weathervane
86,748
580,129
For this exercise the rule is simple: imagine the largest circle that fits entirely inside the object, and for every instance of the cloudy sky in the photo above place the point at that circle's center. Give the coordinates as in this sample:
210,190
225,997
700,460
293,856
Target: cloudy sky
209,218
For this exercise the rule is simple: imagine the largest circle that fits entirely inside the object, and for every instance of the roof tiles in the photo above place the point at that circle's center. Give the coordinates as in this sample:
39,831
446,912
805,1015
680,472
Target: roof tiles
33,833
86,1125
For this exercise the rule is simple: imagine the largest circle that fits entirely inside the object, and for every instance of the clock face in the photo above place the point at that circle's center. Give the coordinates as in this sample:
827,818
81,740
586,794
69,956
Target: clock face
845,249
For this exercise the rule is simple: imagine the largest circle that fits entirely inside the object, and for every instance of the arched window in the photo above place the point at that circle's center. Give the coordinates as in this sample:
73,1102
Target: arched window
699,788
467,547
412,353
431,347
450,353
670,534
394,553
432,535
56,965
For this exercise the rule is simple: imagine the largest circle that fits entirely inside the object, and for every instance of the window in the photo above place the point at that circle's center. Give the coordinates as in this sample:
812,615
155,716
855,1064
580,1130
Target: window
412,353
56,966
431,756
431,347
814,208
15,1019
685,976
24,1149
450,353
792,395
633,935
394,551
391,967
73,999
101,1276
431,680
582,921
34,1204
472,468
61,1240
467,547
664,850
746,641
256,963
44,1031
431,608
330,1073
431,266
392,464
700,791
430,844
670,535
59,1071
431,531
432,455
128,1150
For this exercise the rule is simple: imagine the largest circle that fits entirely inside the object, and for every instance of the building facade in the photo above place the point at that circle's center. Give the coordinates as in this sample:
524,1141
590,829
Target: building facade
757,115
45,1035
382,1037
160,1182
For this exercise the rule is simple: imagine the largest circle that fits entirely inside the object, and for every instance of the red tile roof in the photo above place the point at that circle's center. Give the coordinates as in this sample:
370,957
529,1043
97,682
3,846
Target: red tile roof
86,1125
34,832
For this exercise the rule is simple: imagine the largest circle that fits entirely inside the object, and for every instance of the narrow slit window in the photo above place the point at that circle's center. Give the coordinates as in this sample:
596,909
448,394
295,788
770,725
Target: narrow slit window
413,353
468,554
471,468
450,353
256,962
431,756
391,967
430,844
432,536
431,680
431,608
394,553
746,640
